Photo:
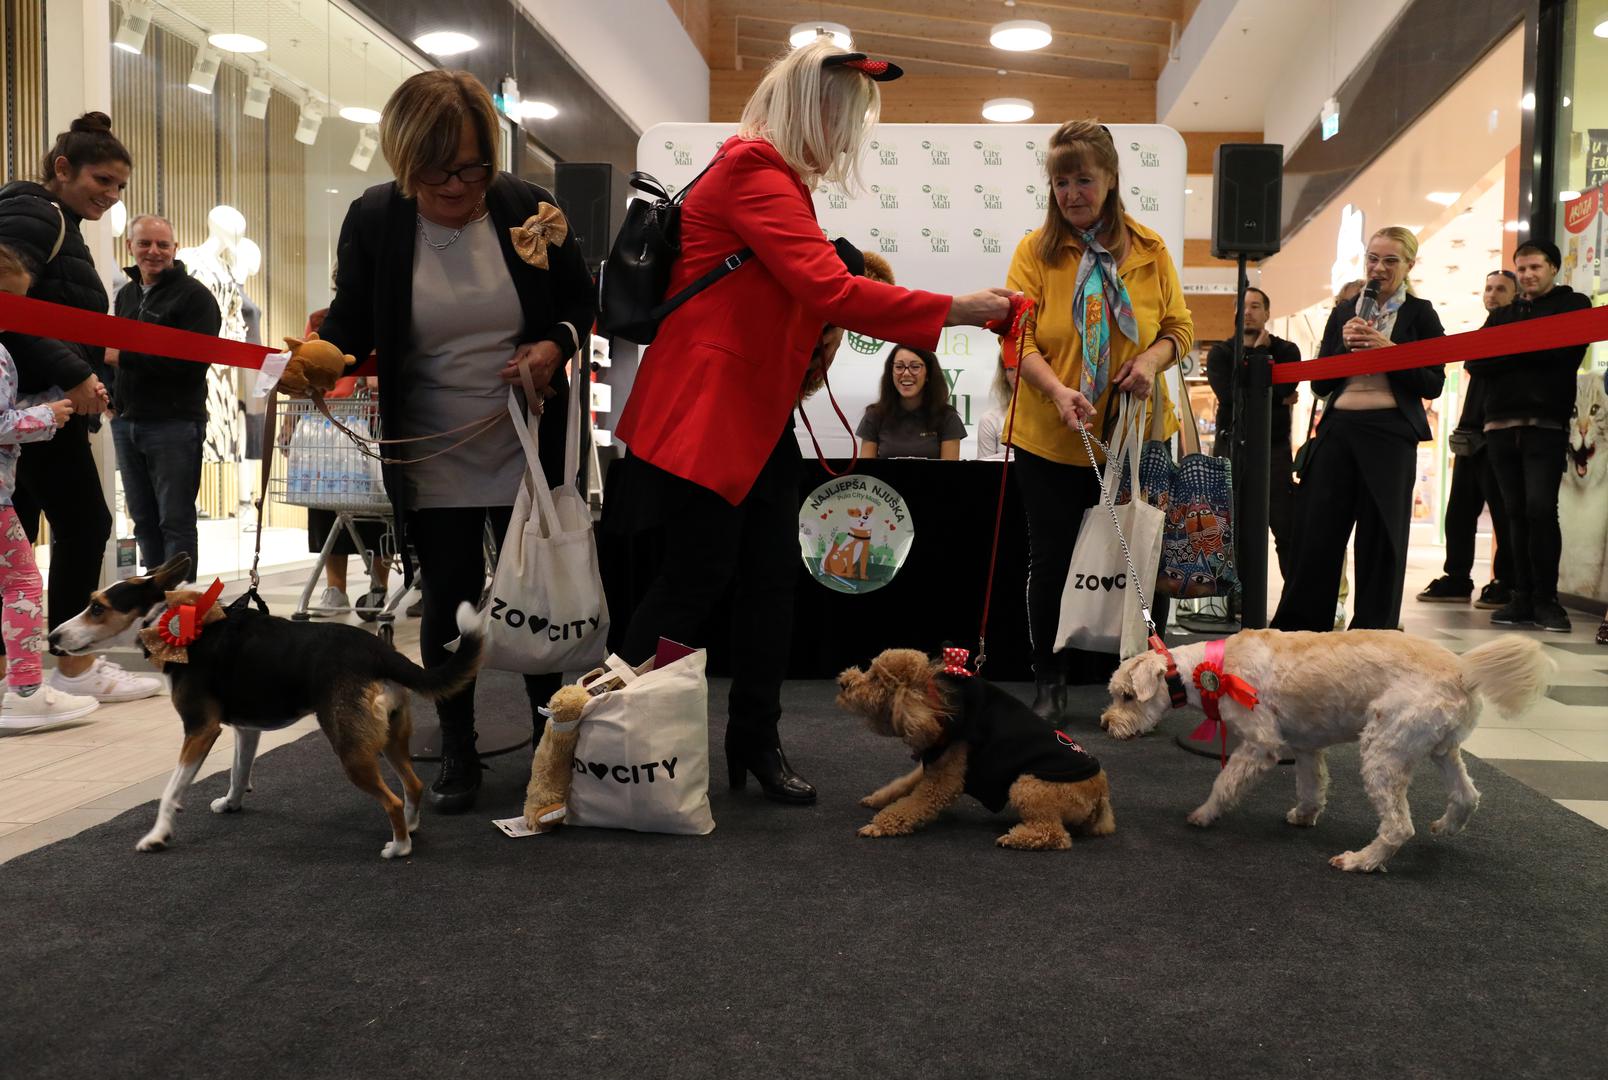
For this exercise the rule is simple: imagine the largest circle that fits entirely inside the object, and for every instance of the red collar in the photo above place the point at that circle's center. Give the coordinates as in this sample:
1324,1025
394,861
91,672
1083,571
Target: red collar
1213,683
1175,682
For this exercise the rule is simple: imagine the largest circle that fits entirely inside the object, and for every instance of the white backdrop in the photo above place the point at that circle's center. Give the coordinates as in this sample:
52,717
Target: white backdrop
946,205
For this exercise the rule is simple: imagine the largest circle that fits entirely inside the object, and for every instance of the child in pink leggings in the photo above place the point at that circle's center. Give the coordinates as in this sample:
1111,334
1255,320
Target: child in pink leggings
28,702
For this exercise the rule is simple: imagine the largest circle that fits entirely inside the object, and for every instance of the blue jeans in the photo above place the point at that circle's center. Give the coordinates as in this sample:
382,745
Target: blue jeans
161,465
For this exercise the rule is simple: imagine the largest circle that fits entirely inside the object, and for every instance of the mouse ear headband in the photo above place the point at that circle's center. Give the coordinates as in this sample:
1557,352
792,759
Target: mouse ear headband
875,70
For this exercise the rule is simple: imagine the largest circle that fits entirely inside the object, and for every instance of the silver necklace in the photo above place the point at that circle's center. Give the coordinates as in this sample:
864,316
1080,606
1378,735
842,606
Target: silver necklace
453,239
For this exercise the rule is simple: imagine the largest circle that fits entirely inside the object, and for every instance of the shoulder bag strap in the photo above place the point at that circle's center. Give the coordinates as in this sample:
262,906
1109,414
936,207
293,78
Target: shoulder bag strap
542,494
726,266
61,233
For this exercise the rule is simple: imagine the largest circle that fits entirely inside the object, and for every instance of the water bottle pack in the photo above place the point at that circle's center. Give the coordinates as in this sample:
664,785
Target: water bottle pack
322,461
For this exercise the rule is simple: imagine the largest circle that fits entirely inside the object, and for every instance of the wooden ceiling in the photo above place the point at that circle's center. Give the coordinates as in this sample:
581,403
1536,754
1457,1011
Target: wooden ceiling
1094,39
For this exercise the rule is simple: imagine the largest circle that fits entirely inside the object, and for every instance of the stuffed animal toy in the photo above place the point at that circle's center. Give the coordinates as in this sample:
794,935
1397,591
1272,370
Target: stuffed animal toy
553,766
314,366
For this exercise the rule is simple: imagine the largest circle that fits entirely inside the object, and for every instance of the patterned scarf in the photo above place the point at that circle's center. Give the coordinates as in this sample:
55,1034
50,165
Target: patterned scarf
1100,292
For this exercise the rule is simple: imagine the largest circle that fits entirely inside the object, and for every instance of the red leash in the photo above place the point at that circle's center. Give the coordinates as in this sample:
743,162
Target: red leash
1013,329
854,443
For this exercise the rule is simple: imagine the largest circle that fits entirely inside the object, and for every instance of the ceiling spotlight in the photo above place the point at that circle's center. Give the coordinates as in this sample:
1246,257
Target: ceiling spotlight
1511,226
204,72
258,91
1444,198
307,124
1189,191
237,43
1527,102
1601,29
1020,35
804,33
368,141
536,110
1007,110
135,24
359,115
446,43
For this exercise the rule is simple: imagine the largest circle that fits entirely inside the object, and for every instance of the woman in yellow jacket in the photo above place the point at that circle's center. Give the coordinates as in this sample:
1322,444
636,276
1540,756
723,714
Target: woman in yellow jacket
1110,318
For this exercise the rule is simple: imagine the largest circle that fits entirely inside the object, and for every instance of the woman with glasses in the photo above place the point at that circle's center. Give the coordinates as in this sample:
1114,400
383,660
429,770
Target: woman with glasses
912,416
430,279
1364,459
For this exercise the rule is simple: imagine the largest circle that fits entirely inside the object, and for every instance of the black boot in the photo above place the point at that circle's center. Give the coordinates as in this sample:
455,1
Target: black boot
458,782
776,777
1049,698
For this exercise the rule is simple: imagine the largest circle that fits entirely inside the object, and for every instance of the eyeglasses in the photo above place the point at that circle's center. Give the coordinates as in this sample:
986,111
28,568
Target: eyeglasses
469,174
1389,262
909,369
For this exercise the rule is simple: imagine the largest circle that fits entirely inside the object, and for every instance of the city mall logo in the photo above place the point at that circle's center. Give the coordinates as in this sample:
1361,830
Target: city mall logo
990,151
887,153
887,198
1038,154
836,200
992,199
989,241
887,241
939,241
938,195
939,152
1147,200
1149,157
860,343
1041,199
680,154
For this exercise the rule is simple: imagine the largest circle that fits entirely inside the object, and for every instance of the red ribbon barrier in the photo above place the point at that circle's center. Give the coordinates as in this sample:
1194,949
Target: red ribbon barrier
1531,335
43,319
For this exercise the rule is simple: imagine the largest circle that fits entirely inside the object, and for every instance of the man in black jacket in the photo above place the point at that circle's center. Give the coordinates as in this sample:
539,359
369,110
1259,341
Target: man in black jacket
161,403
1220,373
1528,398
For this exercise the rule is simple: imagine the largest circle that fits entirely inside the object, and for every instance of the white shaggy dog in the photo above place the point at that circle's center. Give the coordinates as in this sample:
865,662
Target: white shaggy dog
1403,698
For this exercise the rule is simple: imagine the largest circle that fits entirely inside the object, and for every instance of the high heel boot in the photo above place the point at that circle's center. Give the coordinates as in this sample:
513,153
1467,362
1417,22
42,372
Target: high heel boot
1049,698
776,777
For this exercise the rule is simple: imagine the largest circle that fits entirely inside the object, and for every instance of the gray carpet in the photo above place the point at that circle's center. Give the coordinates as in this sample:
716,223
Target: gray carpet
277,943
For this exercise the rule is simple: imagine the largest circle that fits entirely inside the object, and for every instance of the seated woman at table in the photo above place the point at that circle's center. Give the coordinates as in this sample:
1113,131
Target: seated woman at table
991,426
912,417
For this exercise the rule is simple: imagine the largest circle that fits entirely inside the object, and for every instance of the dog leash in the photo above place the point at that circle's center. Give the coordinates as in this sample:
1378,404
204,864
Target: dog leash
854,443
1013,330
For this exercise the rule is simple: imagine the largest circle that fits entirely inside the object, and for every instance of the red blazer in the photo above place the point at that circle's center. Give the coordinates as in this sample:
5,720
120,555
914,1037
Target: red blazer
716,387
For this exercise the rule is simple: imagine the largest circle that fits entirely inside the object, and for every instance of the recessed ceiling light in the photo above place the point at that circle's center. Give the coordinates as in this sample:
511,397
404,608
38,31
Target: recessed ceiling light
1601,29
1527,101
1512,226
1445,198
537,110
1007,110
1566,101
359,115
237,43
1020,35
1568,196
804,33
332,191
446,43
1189,191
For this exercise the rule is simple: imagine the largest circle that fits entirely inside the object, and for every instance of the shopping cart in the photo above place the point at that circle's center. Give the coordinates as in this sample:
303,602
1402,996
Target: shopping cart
325,469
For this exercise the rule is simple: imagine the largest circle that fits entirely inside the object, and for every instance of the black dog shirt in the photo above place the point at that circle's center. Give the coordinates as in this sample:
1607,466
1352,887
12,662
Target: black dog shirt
1005,740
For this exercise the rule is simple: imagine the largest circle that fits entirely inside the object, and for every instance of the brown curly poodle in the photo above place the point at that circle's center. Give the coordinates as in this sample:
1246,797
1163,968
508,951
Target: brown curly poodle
970,737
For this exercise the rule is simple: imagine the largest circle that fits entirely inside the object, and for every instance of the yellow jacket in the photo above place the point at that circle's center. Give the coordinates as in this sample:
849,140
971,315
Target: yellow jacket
1158,307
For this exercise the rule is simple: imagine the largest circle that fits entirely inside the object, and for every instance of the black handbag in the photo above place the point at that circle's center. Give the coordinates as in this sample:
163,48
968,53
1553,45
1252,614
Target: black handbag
1303,456
1465,443
632,286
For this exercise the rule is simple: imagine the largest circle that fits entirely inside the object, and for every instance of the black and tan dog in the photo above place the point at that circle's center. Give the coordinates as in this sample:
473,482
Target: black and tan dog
257,673
970,737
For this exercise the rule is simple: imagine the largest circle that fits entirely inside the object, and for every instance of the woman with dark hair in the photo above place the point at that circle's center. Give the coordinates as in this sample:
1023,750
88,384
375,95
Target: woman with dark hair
912,417
82,176
449,278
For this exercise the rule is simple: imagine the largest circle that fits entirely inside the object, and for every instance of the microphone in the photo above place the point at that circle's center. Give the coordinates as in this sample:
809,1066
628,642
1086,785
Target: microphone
1368,302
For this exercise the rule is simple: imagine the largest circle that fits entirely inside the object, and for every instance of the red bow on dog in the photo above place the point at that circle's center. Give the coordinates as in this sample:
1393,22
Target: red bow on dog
955,661
1012,329
1213,683
181,625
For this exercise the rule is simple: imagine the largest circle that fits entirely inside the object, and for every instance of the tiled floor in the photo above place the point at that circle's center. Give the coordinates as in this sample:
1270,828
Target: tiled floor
57,782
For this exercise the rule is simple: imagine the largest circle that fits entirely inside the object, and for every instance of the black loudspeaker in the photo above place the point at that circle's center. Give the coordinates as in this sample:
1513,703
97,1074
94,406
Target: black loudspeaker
1247,180
592,195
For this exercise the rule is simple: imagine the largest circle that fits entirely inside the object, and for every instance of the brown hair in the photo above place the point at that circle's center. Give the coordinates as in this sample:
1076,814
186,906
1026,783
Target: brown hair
424,121
88,141
1076,146
934,395
11,263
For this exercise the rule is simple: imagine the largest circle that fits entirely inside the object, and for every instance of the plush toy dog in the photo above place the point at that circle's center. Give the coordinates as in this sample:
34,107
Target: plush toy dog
314,365
552,767
971,737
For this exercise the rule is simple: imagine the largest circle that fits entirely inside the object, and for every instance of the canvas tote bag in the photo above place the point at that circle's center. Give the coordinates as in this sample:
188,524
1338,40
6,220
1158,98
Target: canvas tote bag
1099,606
547,612
642,759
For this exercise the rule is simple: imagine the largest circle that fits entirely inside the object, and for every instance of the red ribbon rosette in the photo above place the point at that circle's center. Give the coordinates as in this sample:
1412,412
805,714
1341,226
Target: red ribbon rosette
1213,683
181,625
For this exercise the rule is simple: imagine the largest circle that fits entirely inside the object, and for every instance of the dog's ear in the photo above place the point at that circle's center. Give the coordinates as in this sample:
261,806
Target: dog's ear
173,572
1148,673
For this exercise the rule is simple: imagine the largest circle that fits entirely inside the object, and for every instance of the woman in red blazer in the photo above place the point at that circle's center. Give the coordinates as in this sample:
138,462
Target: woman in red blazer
709,421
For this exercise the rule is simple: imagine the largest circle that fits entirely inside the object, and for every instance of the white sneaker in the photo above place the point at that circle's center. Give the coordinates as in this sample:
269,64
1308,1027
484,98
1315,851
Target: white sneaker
44,706
331,601
106,682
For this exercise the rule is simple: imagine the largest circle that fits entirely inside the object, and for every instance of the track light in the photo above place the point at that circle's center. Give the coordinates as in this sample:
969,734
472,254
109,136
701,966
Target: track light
258,92
307,124
136,23
804,33
368,141
204,72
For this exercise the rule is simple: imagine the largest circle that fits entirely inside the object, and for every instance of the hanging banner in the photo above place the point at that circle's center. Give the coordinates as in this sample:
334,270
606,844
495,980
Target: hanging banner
854,534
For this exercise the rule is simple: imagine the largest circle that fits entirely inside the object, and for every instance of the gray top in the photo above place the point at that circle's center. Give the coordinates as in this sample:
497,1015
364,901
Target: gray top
907,435
466,325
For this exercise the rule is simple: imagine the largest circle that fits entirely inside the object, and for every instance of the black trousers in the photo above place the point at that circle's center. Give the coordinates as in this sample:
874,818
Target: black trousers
449,544
1474,487
1360,477
1529,463
1054,497
58,478
710,547
1281,506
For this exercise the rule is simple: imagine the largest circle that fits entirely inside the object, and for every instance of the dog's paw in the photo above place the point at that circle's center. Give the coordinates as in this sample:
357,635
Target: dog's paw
1445,826
155,840
1034,841
877,800
885,828
224,806
1301,817
1357,862
1200,817
397,849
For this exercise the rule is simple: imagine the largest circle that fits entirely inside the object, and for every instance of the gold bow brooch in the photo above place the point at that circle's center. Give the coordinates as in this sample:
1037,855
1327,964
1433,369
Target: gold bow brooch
547,226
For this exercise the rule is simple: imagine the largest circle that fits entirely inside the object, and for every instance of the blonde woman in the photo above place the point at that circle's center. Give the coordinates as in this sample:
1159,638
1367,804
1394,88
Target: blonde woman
1110,318
428,278
709,420
1364,457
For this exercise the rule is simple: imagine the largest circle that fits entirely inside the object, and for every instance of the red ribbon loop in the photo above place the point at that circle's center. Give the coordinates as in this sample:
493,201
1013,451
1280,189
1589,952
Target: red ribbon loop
181,625
1012,329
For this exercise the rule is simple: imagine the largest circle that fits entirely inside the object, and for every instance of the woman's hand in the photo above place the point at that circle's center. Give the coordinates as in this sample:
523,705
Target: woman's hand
89,396
541,358
61,411
1137,375
1360,334
975,309
1073,407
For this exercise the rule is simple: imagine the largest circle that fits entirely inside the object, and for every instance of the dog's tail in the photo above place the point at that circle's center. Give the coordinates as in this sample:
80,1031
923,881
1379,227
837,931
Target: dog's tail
1512,672
447,678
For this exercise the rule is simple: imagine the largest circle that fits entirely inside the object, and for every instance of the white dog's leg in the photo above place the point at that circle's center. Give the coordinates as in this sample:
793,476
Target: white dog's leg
240,775
1463,798
1386,778
1311,788
191,755
1245,767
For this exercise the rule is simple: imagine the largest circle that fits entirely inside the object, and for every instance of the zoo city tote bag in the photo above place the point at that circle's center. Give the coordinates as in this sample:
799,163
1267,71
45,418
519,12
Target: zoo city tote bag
1196,497
1099,605
547,612
642,759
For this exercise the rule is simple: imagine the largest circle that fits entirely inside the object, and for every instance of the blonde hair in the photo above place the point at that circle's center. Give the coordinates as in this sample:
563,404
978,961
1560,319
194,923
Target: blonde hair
1078,146
12,266
817,119
423,123
1409,247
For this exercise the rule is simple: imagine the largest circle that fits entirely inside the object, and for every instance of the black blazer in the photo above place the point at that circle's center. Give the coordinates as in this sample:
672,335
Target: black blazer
1415,321
372,310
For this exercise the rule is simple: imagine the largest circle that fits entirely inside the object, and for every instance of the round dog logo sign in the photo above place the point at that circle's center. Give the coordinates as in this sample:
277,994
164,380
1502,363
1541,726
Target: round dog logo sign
854,533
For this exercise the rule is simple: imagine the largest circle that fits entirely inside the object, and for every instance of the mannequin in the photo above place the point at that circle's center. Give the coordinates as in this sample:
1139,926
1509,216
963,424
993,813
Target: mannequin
222,264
